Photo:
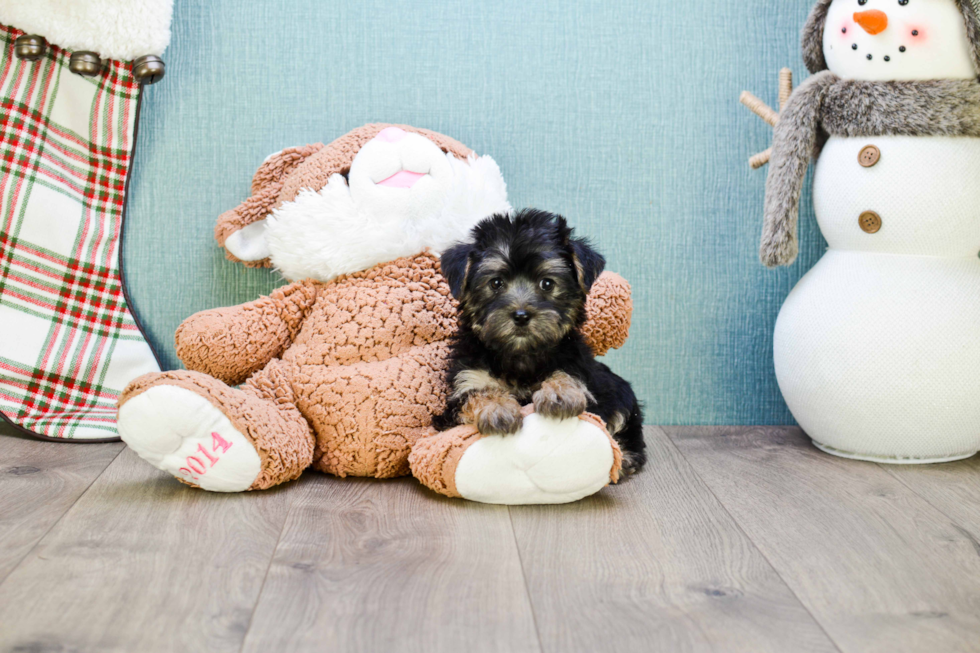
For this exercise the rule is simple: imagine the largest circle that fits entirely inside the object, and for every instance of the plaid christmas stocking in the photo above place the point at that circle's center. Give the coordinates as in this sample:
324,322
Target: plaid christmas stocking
69,342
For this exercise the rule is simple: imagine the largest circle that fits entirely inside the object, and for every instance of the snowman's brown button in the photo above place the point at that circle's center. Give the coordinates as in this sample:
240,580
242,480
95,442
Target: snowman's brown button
869,156
870,222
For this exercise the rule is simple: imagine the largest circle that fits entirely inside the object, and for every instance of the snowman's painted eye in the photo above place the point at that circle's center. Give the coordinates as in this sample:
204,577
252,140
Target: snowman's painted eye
903,2
862,2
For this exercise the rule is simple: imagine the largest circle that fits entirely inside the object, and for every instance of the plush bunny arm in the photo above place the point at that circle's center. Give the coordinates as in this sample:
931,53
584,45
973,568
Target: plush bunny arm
232,343
794,144
608,310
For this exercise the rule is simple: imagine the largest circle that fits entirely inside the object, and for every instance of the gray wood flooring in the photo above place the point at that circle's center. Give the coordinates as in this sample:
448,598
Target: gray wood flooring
732,539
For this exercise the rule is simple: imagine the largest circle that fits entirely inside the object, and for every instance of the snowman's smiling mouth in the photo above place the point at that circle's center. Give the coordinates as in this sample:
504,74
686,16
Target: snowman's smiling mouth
872,56
402,179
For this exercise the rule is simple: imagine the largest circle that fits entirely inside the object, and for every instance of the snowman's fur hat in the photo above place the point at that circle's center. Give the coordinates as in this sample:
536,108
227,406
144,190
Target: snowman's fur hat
813,32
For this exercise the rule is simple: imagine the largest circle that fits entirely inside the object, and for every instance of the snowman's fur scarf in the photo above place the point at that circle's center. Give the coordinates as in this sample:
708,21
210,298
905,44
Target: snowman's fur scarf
323,234
826,105
943,107
813,32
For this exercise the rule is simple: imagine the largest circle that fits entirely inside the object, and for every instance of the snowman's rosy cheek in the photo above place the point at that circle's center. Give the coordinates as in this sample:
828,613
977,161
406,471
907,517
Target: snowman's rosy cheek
916,33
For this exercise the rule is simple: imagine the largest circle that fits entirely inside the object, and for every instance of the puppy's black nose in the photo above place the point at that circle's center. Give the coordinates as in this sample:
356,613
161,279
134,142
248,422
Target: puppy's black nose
521,318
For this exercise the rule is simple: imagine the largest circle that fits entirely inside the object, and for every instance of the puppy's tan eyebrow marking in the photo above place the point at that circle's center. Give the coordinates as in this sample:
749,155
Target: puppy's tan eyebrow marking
552,266
493,264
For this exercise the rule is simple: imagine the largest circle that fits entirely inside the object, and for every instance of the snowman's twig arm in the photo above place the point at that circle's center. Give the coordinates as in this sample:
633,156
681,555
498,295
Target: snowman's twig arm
759,108
794,140
762,158
785,87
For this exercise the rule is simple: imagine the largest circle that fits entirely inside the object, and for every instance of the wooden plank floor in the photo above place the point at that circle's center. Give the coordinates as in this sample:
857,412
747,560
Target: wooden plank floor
732,539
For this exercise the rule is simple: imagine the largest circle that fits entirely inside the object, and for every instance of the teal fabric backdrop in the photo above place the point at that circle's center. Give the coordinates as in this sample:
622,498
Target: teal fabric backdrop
623,116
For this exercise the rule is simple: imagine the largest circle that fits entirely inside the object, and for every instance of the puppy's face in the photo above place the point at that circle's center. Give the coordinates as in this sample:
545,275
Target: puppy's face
522,282
525,300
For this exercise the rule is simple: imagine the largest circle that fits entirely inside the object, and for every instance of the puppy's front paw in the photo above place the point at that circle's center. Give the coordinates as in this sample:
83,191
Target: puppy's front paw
500,419
494,415
561,398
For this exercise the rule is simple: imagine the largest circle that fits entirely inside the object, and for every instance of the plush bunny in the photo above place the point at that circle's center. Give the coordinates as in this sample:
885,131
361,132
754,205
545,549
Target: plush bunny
343,368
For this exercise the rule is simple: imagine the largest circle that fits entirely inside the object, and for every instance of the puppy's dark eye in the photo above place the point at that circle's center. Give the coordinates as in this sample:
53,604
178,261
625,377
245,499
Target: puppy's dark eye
547,285
496,283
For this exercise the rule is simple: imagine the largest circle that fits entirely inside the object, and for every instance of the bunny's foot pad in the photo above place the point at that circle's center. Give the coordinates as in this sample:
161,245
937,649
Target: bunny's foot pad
547,462
182,433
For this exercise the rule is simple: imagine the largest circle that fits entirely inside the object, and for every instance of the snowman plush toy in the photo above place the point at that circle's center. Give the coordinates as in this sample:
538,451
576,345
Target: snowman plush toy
877,349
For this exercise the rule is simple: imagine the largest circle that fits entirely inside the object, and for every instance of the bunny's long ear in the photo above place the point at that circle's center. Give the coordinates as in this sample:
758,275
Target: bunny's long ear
241,231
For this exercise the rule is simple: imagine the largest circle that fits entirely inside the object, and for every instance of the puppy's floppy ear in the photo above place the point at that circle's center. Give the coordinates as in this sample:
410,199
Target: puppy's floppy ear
589,263
456,263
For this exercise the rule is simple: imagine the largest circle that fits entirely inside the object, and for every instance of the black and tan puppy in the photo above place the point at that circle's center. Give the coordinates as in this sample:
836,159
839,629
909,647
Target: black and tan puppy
522,283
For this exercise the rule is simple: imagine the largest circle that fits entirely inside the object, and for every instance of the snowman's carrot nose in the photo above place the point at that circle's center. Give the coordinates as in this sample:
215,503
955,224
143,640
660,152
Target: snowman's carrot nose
873,21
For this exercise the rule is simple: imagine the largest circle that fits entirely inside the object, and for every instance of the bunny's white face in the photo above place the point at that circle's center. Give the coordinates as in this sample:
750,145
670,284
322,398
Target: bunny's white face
897,40
403,195
400,176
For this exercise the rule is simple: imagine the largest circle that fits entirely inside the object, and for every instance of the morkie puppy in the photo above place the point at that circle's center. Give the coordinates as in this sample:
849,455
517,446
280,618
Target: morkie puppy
521,284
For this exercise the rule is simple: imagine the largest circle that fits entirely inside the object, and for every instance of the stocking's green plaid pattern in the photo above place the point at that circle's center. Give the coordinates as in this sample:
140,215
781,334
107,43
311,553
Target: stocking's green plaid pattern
68,343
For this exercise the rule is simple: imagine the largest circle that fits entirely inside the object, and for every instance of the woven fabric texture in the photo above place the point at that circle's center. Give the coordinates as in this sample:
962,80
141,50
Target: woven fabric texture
68,343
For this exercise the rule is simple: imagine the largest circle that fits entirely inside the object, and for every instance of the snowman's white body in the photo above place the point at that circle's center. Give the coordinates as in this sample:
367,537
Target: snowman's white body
877,349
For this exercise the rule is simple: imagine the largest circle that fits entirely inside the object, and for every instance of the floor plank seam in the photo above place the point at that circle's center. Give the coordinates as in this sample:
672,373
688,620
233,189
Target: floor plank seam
527,590
265,577
762,553
952,520
58,520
